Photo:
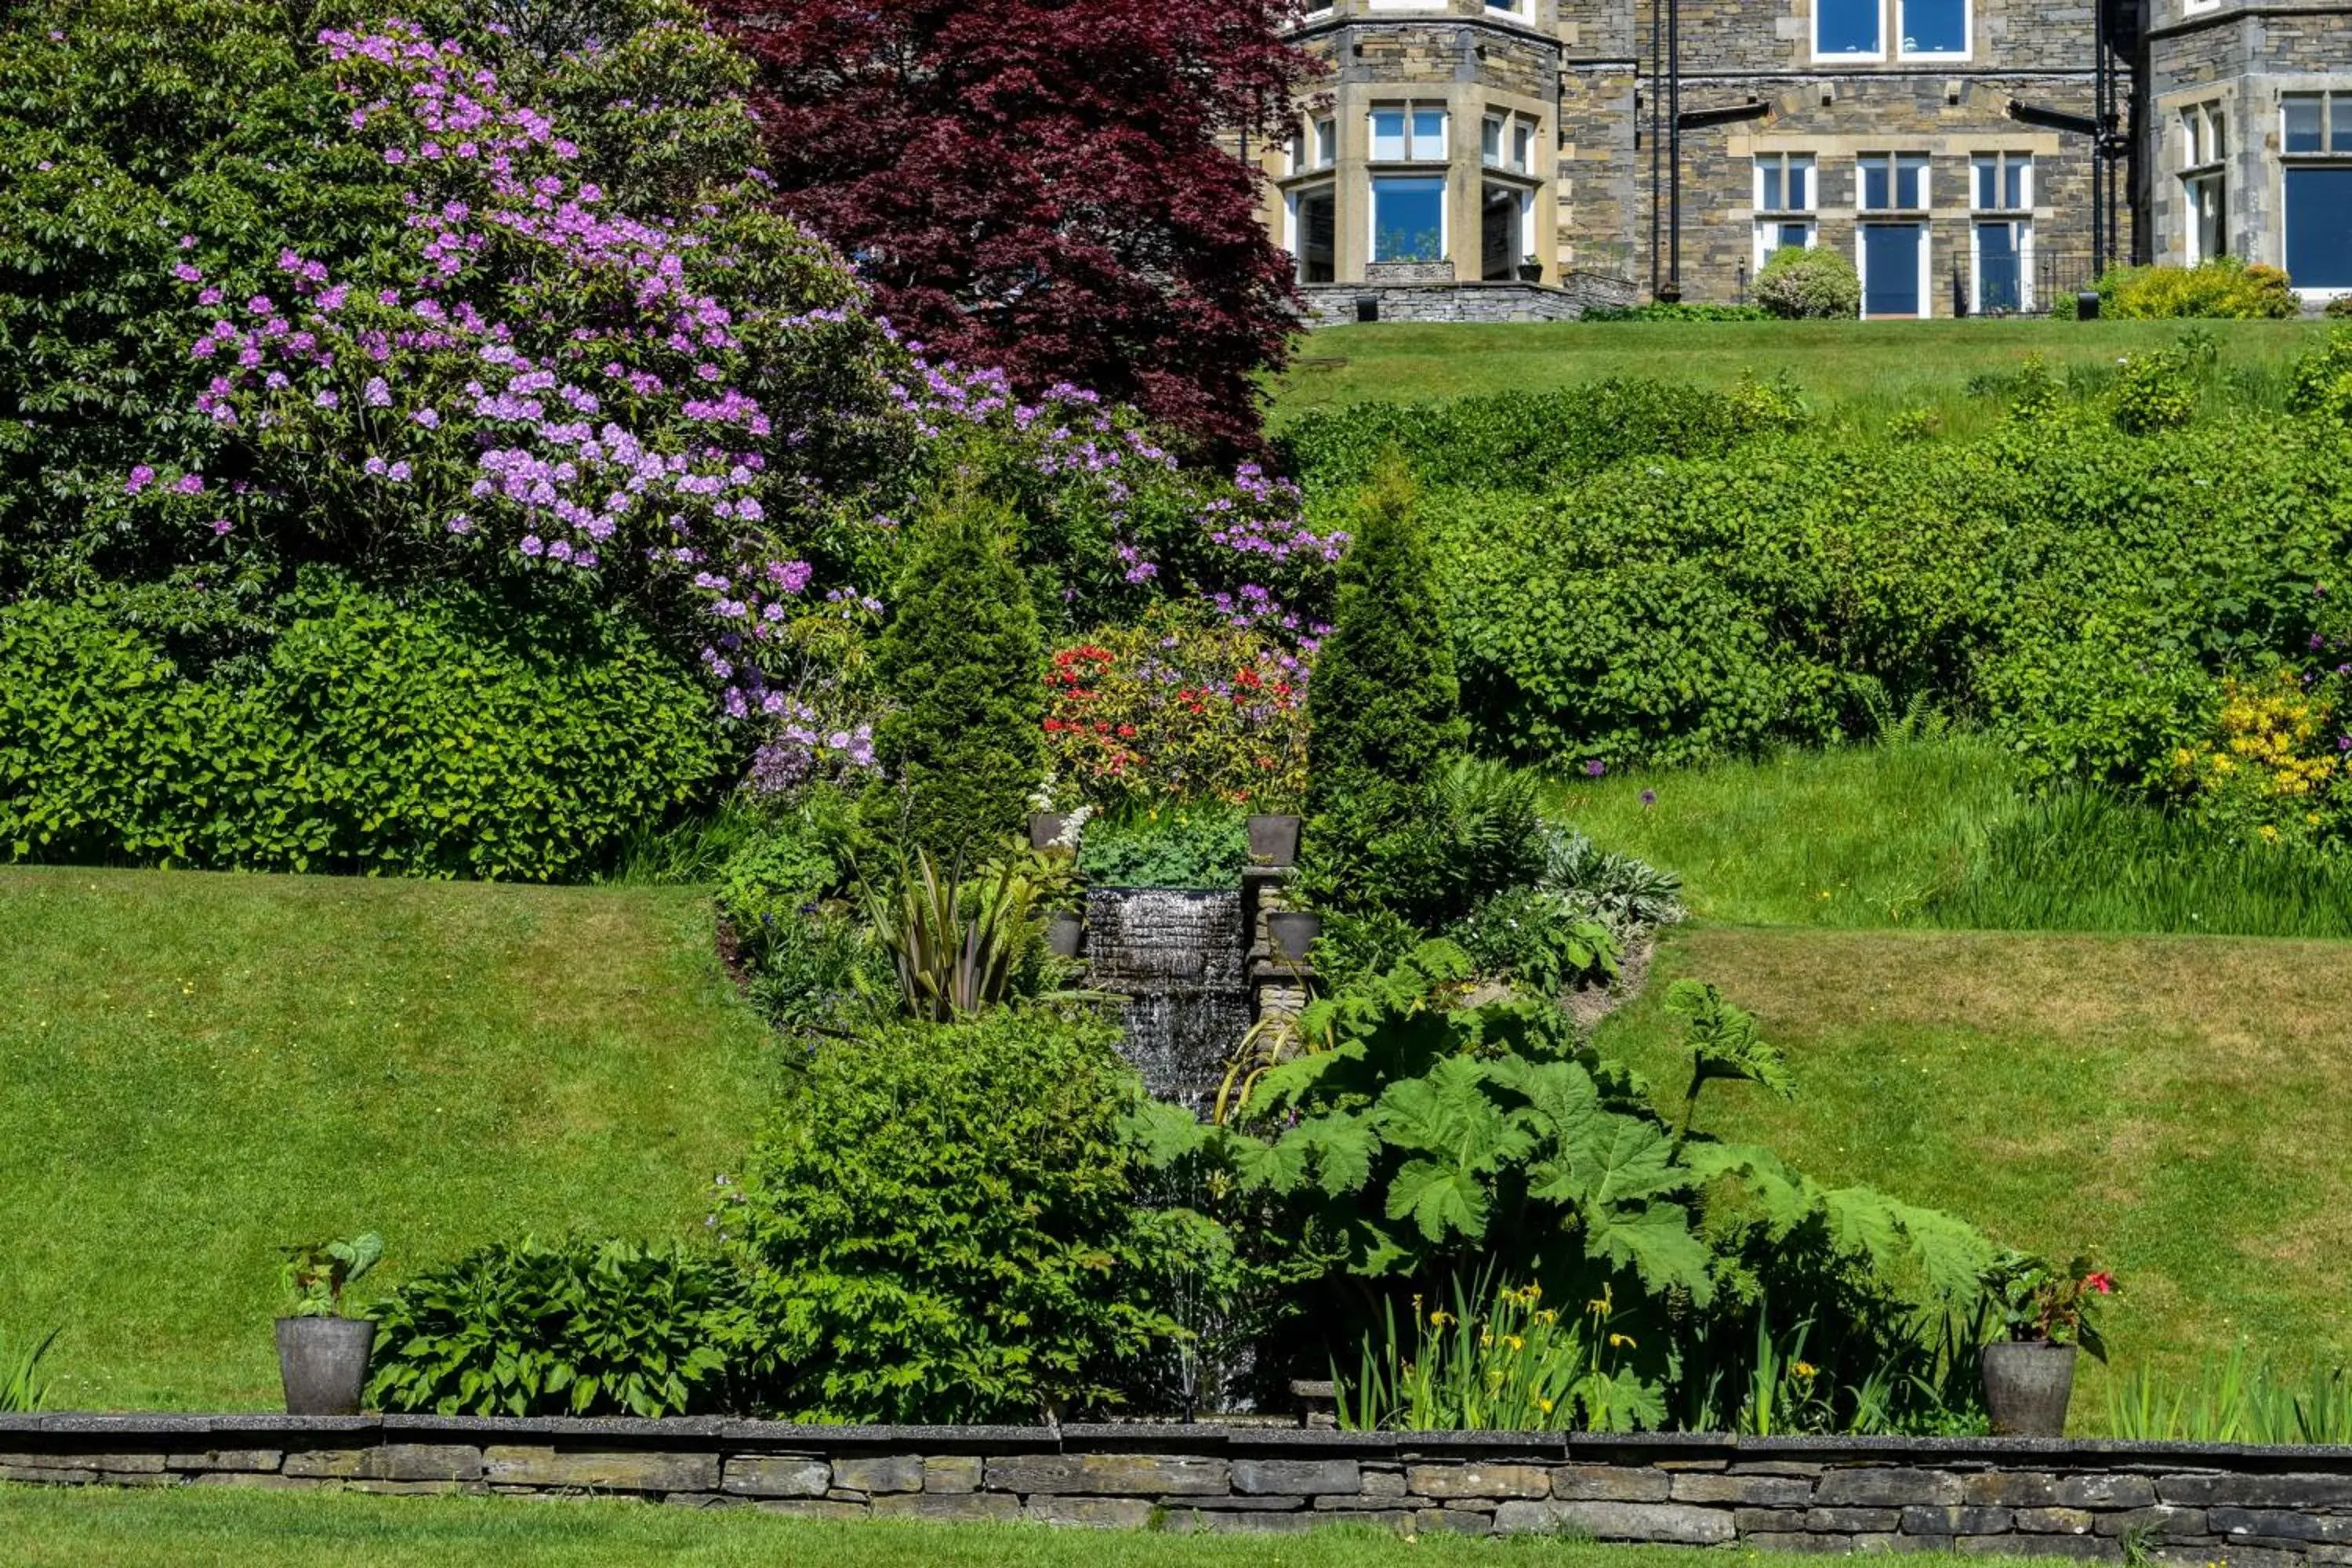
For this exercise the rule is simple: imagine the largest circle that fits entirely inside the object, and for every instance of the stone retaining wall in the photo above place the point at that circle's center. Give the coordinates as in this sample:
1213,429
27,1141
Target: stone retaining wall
1334,304
2258,1507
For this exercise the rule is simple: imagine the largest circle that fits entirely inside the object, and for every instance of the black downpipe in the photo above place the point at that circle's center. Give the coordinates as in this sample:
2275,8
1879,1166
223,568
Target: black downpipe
1673,291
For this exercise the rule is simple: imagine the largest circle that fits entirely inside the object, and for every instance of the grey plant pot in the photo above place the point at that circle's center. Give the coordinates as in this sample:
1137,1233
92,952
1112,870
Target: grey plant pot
324,1363
1066,933
1273,840
2028,1386
1291,934
1046,827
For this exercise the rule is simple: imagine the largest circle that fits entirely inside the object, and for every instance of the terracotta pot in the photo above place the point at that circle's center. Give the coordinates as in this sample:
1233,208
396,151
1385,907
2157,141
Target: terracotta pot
1291,934
1273,840
1066,933
1045,828
2027,1387
323,1363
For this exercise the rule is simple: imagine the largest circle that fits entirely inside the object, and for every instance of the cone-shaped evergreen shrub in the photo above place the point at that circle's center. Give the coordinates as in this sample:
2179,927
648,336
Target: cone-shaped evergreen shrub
1384,716
963,745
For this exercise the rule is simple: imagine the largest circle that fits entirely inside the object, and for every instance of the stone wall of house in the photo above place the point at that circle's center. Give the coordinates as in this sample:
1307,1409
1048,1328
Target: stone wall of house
2260,1507
1331,305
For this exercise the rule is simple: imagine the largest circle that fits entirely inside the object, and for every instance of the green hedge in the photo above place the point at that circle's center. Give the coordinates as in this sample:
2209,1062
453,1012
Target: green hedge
443,739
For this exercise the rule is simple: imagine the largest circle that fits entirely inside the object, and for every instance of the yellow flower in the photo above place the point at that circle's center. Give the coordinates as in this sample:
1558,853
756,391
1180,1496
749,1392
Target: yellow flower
1440,1317
1804,1369
1544,1405
1622,1343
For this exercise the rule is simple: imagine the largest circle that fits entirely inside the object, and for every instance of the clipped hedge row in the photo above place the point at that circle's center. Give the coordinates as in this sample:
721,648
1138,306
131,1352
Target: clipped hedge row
441,739
2078,588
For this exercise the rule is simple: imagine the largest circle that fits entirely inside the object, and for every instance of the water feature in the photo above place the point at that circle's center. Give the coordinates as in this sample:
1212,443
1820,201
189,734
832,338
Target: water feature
1181,960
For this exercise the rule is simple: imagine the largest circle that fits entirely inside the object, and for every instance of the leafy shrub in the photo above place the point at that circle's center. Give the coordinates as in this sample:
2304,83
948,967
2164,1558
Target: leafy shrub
2339,307
2323,378
1818,284
962,745
945,1224
2226,287
1180,707
1513,440
1383,718
1678,311
451,739
1538,939
810,963
581,1328
1166,847
2154,392
2274,766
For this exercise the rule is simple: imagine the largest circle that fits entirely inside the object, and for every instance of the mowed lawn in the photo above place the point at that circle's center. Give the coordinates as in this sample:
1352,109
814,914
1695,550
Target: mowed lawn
1880,366
196,1069
2177,1106
196,1529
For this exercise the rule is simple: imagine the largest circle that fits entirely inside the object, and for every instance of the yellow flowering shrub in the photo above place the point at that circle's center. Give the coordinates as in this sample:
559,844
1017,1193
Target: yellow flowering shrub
2277,765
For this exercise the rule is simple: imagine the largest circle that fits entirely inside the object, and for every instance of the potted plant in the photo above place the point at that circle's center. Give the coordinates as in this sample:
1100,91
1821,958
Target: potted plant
1291,933
323,1356
1273,840
2047,1314
1065,932
1531,270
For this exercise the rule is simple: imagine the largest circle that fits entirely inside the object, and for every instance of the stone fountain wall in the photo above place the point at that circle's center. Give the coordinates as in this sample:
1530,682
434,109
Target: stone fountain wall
1181,960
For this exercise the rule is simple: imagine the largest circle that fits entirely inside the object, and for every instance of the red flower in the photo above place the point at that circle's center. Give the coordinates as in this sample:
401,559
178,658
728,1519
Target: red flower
2103,1282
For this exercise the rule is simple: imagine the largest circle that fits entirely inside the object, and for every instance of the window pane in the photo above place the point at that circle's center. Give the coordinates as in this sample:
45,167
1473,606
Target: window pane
1768,171
1911,182
1796,235
1988,180
1801,184
2340,112
1846,26
1388,132
1491,140
2319,227
1429,133
1408,220
1890,262
1523,146
1935,26
1324,150
2217,136
1998,267
1315,237
2303,125
2013,192
1877,191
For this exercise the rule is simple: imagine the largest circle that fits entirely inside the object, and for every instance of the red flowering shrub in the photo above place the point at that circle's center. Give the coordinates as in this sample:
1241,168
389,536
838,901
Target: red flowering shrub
1181,707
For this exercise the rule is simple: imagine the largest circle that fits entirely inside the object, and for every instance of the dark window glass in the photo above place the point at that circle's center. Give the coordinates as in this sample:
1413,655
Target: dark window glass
1911,183
1794,236
2319,227
2303,125
1846,26
1999,282
1772,197
1408,220
1318,251
1877,184
2339,109
1890,254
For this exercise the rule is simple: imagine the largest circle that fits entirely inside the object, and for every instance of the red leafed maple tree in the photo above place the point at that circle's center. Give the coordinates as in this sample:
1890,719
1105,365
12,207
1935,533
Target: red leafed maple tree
1051,186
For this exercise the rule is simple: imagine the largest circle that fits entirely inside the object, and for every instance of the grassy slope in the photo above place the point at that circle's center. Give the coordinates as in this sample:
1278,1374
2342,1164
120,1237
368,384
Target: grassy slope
2175,1104
186,1529
1876,367
194,1070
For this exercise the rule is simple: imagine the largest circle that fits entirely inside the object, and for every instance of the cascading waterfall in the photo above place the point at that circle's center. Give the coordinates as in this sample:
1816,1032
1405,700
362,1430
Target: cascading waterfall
1181,960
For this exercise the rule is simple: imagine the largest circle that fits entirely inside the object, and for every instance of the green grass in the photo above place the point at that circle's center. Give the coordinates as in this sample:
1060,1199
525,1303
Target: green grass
196,1069
60,1529
2175,1105
1941,833
1862,372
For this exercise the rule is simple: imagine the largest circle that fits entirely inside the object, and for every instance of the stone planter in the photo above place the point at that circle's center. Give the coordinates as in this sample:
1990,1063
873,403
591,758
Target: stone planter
1065,932
1273,840
1045,828
2028,1386
323,1363
1291,934
1531,271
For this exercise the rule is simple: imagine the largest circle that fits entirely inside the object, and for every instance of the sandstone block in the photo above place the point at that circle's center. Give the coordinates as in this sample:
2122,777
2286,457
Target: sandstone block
2255,1491
879,1473
2278,1524
948,1505
2106,1491
1887,1488
230,1459
1609,1483
1110,1474
1307,1478
1383,1483
1673,1524
1116,1512
422,1462
951,1473
552,1469
1854,1521
2055,1520
1958,1520
1478,1480
2009,1489
1759,1492
323,1464
2158,1523
778,1476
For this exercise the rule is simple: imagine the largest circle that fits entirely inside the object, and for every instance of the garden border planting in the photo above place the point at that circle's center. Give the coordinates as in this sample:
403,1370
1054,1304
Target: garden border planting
2082,1499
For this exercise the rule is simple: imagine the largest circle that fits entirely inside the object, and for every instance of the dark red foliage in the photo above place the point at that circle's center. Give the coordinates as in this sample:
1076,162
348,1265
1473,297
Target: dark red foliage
1048,186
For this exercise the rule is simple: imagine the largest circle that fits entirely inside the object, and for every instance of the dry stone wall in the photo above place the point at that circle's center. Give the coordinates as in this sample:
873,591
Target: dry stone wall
2255,1508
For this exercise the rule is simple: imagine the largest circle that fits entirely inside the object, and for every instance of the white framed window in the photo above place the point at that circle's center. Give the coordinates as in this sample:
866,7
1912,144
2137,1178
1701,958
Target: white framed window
1777,233
1849,29
2001,183
2001,266
1785,183
1508,141
1409,133
1522,10
1892,258
1409,217
2198,7
1892,183
1322,144
2316,148
1936,29
1314,233
2205,182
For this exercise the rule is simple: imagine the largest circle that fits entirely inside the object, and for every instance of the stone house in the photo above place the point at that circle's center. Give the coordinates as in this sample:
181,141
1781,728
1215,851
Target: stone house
1516,150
